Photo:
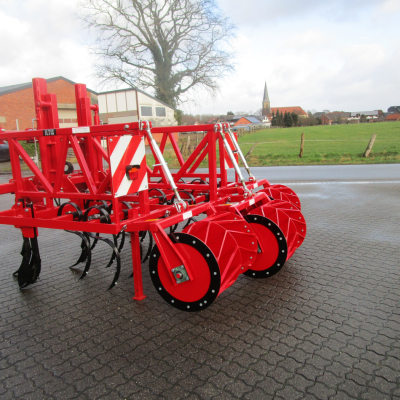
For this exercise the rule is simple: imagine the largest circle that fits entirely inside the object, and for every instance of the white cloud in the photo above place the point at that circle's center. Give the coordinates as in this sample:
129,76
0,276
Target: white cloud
336,55
41,38
390,6
313,58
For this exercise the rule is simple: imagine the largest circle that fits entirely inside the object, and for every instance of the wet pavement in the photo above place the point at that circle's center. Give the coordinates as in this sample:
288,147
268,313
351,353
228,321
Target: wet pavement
327,326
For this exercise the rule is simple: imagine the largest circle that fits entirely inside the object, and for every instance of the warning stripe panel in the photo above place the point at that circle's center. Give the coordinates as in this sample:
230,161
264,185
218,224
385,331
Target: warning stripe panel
124,151
126,186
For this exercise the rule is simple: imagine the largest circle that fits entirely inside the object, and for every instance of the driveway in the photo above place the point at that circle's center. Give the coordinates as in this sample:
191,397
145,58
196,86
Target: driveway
327,326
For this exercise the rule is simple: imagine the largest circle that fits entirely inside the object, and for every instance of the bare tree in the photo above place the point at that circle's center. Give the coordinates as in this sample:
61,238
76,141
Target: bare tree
171,46
258,113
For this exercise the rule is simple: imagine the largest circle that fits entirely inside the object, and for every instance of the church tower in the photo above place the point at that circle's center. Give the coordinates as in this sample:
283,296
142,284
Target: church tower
266,104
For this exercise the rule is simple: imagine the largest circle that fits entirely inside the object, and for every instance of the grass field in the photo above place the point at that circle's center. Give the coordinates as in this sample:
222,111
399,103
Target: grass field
336,144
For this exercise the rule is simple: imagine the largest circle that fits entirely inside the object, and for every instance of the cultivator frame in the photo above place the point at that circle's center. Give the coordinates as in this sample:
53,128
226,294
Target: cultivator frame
243,231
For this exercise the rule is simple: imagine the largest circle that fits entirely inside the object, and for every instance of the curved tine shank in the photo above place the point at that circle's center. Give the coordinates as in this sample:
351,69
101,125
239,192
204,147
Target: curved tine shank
89,256
122,243
115,240
189,221
94,242
173,228
36,262
25,272
22,252
115,253
117,257
120,247
85,245
83,254
142,235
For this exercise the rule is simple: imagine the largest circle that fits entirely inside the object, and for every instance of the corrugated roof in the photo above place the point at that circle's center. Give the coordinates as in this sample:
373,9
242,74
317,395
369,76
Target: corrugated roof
141,91
253,120
366,113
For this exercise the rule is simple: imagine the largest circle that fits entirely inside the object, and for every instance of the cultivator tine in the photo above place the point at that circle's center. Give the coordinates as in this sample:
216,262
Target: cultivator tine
147,256
29,270
115,256
122,243
142,236
25,272
86,254
117,270
84,247
36,262
120,247
189,221
22,252
95,241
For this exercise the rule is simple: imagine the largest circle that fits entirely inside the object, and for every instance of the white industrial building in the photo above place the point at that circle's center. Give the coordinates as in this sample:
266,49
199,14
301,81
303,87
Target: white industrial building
130,105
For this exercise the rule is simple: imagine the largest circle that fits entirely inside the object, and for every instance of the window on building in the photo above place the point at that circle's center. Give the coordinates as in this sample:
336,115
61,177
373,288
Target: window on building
160,112
146,111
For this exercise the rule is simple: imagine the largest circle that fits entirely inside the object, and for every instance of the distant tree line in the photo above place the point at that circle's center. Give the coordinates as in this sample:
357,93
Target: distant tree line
285,120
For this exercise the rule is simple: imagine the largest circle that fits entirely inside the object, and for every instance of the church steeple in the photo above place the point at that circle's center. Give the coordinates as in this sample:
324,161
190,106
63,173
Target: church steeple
266,104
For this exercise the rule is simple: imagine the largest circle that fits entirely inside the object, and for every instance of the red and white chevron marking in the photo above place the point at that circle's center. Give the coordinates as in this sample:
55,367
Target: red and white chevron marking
124,151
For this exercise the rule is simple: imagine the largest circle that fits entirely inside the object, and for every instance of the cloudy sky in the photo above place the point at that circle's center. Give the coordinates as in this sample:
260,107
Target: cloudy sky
318,54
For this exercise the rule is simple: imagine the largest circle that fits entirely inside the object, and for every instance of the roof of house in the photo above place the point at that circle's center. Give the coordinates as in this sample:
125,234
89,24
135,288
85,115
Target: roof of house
253,120
319,114
22,86
394,117
366,113
141,91
296,109
336,114
228,117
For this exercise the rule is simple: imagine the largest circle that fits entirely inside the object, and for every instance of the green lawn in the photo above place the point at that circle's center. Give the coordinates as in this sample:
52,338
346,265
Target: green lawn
337,144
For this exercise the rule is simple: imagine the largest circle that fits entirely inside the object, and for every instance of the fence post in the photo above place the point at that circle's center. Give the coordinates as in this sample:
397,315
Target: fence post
251,150
369,147
301,145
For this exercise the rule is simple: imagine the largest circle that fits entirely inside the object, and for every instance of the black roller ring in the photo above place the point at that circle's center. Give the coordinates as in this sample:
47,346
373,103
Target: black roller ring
215,283
281,259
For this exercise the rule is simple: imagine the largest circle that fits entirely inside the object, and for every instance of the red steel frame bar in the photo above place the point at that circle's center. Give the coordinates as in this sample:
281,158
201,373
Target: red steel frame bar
51,183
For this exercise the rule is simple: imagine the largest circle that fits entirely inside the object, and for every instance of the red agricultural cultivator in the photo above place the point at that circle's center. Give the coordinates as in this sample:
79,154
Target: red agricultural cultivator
246,227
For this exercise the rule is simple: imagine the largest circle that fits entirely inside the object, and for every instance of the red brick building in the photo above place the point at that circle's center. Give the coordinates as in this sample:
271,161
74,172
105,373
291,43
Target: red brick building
393,117
17,103
243,121
297,110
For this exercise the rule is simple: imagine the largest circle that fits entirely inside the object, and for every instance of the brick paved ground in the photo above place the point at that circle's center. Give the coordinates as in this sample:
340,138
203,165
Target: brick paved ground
326,327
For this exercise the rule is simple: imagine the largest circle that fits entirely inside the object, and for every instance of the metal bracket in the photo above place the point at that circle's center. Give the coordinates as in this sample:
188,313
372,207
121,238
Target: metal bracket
179,204
180,274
